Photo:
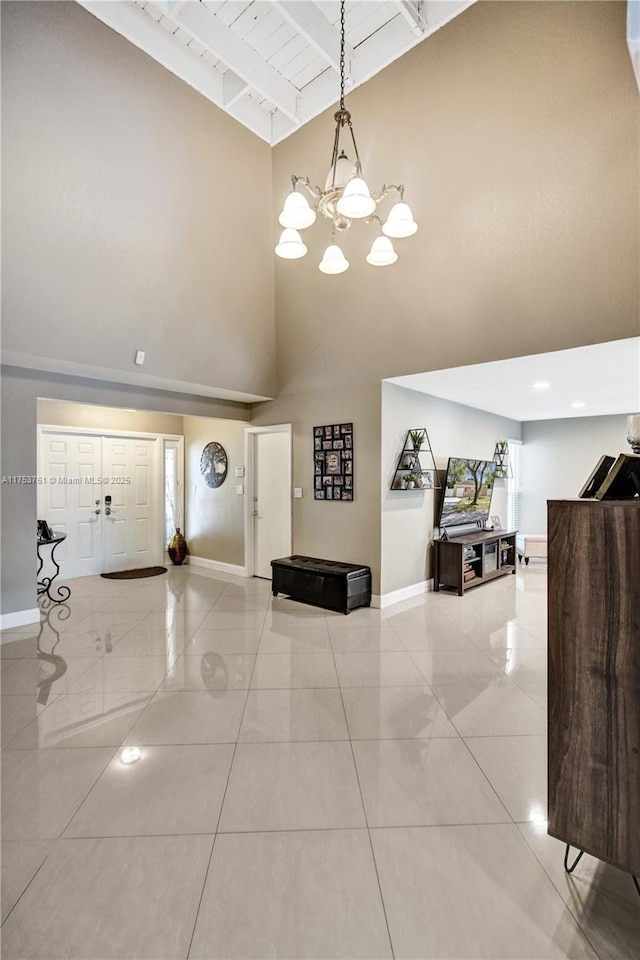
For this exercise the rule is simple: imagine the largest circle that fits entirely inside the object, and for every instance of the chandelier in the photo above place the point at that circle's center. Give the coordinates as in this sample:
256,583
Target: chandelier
345,198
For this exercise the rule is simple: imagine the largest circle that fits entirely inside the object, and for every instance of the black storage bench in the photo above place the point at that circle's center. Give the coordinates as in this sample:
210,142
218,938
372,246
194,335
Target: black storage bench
324,583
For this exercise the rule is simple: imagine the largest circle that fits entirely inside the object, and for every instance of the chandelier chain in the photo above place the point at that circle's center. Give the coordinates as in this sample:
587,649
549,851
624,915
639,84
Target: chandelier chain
342,60
345,197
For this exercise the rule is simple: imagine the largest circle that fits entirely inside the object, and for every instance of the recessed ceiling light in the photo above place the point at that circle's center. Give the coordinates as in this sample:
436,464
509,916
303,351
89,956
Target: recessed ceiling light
578,404
541,385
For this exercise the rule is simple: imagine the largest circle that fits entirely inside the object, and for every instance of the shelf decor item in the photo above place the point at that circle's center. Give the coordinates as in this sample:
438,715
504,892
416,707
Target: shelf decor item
214,464
333,462
416,467
633,432
344,198
501,460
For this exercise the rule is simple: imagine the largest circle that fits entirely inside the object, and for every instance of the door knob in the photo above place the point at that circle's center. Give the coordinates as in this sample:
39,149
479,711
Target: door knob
96,511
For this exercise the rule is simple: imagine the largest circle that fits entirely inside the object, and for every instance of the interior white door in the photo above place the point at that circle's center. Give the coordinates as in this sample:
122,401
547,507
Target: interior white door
272,505
70,466
132,524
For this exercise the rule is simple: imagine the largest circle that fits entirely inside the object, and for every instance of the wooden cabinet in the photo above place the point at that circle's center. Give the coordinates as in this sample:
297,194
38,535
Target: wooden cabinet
594,678
474,558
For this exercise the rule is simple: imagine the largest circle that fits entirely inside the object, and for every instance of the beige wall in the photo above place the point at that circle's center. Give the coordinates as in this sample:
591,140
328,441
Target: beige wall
558,457
122,225
515,130
348,531
408,517
214,526
61,414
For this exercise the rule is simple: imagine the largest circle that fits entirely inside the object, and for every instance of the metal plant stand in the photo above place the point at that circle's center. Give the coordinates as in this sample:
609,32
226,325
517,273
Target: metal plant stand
44,585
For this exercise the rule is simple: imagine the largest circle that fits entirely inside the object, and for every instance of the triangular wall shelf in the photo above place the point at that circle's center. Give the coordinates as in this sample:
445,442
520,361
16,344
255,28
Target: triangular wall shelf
502,461
416,461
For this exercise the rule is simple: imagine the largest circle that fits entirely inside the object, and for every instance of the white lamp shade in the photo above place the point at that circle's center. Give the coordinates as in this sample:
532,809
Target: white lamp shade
400,222
296,213
382,253
633,426
290,245
334,260
356,202
344,172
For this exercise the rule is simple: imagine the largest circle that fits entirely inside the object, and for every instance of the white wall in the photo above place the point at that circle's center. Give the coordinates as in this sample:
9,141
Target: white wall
557,458
408,516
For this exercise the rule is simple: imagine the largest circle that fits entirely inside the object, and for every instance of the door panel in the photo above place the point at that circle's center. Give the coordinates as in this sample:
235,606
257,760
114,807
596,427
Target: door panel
272,490
131,531
68,504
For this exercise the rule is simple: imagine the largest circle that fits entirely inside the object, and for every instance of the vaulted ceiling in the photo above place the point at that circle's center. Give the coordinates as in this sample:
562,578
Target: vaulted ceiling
273,64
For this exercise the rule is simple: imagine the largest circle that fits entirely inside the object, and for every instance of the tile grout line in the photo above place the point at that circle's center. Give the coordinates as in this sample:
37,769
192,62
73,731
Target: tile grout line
364,809
222,802
55,844
566,905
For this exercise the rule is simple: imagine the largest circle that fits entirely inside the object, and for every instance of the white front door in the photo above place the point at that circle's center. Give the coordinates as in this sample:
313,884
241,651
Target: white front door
70,501
272,500
131,518
103,535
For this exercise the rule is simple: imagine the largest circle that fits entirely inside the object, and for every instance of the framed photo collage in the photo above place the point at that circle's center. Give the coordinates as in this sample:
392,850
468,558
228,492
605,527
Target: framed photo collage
333,462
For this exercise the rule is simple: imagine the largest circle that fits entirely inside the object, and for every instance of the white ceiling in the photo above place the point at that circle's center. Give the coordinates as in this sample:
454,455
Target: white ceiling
605,377
273,64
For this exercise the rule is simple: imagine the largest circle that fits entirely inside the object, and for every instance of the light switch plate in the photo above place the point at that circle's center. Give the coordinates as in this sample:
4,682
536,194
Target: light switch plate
240,489
139,357
239,471
297,492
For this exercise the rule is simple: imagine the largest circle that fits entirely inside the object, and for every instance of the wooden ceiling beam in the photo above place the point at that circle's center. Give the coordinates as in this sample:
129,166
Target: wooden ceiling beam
319,33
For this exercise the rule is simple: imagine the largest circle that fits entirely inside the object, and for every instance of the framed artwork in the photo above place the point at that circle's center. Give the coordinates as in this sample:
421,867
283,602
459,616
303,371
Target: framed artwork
214,464
333,461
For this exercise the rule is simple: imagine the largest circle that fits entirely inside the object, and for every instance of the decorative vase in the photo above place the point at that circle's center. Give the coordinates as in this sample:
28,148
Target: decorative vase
177,548
633,432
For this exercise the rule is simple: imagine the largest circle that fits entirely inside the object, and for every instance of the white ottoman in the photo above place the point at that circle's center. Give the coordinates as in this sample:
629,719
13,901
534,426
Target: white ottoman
531,545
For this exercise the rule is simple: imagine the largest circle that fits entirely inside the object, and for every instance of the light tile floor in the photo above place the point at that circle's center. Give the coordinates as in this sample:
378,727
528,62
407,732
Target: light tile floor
308,785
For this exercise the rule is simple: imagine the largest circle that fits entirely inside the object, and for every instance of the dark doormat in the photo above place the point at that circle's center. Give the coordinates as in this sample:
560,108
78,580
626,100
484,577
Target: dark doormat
134,574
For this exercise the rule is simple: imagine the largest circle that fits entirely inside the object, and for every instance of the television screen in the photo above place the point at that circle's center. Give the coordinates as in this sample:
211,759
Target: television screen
467,492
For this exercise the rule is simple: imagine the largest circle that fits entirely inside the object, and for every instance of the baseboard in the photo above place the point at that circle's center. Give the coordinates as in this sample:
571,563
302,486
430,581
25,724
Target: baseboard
405,593
217,565
21,618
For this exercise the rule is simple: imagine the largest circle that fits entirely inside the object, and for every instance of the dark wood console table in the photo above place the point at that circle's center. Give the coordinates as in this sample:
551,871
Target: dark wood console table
474,558
594,679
